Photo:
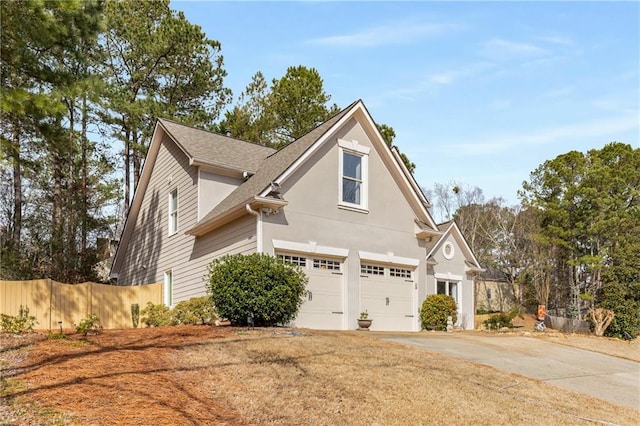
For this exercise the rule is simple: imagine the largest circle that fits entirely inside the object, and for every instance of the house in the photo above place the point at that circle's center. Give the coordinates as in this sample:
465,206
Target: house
495,292
337,201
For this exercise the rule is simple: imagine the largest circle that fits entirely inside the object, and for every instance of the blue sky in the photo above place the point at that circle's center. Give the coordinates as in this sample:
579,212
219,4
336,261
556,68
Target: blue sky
478,93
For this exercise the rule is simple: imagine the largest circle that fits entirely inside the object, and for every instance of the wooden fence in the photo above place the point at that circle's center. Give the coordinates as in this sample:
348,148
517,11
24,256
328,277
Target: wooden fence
50,301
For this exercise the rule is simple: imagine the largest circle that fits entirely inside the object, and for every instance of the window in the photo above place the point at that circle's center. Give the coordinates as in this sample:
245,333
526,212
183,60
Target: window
173,212
371,269
448,287
330,265
168,288
400,273
296,260
353,172
448,251
351,178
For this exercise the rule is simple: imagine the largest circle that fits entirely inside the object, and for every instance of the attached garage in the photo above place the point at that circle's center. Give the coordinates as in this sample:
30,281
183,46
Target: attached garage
388,293
323,307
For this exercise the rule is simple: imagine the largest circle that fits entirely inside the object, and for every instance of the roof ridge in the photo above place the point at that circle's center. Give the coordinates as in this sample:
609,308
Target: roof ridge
274,165
342,111
213,133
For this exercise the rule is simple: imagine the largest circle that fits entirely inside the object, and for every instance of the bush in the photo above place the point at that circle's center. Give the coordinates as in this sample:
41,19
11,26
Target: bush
135,315
483,311
256,286
195,311
624,301
19,323
500,320
89,325
435,310
156,315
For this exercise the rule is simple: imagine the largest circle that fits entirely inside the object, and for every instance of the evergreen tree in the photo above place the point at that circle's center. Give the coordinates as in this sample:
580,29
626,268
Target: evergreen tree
158,64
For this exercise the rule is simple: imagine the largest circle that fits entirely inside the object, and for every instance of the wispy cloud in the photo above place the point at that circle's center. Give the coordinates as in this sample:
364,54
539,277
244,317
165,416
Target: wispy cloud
430,82
384,35
564,41
607,127
500,49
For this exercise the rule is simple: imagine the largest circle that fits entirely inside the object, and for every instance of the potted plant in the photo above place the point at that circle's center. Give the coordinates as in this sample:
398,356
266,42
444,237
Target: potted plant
364,322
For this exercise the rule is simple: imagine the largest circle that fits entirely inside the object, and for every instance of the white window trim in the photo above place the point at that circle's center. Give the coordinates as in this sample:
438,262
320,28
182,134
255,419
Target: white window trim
168,288
169,228
354,148
452,250
310,248
388,258
458,296
447,277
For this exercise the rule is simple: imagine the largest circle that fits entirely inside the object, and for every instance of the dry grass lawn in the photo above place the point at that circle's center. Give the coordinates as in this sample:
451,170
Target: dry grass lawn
203,375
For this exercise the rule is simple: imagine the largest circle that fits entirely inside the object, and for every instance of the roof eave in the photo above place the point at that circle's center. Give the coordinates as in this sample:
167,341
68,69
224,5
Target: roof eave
234,213
199,162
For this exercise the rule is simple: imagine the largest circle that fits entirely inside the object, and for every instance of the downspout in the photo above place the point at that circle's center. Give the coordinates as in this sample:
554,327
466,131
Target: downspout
258,215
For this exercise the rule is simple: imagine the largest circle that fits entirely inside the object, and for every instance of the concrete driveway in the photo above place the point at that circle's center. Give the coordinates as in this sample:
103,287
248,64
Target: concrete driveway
605,377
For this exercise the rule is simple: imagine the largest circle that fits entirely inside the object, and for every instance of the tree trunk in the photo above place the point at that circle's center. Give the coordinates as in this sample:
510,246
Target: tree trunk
137,162
127,170
83,189
17,185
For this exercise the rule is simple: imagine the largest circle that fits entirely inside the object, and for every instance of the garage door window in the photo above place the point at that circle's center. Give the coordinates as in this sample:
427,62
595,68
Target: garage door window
329,265
371,269
400,273
296,260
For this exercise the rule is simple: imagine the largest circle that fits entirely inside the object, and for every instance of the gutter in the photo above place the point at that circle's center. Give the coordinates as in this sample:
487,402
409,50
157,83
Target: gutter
258,215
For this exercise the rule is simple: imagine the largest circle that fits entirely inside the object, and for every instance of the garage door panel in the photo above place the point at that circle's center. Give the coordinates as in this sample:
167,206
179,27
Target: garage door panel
323,306
389,302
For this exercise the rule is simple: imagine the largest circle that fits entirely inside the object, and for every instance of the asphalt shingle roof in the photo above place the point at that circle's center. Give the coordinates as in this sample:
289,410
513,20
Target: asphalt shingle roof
272,167
215,148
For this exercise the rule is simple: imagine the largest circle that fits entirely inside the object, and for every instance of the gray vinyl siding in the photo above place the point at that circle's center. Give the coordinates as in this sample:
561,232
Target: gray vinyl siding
190,270
152,251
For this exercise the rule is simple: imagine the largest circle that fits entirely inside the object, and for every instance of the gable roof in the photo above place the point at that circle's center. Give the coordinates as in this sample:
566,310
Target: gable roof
204,148
272,167
451,228
207,148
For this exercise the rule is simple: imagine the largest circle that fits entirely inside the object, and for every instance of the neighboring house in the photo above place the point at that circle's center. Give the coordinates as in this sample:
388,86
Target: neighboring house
337,201
494,292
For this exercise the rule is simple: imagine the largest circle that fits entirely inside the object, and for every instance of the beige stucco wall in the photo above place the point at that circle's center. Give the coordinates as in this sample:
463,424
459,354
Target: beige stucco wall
313,214
152,251
454,268
212,189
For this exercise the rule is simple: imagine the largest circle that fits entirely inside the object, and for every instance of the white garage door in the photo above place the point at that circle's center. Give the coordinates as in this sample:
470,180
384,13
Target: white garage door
387,293
323,308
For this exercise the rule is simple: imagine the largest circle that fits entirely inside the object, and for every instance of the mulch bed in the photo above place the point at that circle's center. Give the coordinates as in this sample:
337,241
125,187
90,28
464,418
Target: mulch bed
117,377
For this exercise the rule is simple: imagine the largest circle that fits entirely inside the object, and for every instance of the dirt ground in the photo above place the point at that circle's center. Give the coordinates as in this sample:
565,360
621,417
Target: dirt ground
209,375
126,375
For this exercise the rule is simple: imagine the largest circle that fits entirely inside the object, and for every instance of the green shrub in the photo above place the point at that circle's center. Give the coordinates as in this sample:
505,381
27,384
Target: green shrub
435,310
195,311
135,315
156,315
256,286
18,323
483,311
89,325
624,301
502,319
